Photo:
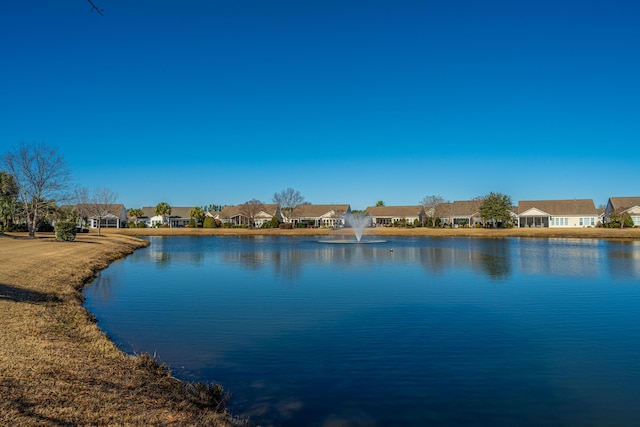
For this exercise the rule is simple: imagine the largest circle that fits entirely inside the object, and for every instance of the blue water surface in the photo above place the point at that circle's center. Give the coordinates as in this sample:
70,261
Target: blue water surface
408,332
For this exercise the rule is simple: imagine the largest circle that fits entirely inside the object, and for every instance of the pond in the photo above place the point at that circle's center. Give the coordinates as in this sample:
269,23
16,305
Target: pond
407,332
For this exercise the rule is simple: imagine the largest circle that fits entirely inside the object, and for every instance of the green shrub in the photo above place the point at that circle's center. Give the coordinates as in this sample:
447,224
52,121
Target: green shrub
209,222
66,231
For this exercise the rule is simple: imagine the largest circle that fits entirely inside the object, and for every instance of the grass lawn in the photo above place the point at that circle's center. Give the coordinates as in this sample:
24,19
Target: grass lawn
56,366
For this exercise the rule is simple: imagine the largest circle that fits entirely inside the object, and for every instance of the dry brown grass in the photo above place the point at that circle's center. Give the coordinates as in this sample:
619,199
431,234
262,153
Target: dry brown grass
56,366
578,233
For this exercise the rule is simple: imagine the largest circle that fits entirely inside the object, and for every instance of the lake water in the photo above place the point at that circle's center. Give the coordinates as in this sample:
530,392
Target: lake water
409,332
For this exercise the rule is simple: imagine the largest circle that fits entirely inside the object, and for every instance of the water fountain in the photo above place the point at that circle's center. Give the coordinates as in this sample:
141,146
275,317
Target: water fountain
358,223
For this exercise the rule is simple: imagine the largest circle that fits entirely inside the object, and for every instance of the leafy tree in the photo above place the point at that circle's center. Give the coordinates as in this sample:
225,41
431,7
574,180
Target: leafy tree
8,195
380,203
496,208
620,220
289,200
274,223
41,175
198,215
163,209
432,207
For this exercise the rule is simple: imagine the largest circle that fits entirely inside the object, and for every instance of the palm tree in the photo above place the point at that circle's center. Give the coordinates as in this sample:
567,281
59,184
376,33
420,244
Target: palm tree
198,214
163,209
135,213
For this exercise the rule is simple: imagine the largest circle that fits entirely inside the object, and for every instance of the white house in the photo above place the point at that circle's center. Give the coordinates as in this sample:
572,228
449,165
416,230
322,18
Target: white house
460,213
179,217
110,216
557,213
239,215
389,215
325,216
624,205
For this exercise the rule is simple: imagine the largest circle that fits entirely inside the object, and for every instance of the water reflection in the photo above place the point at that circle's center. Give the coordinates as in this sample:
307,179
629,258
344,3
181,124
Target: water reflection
624,260
491,258
309,334
495,259
580,258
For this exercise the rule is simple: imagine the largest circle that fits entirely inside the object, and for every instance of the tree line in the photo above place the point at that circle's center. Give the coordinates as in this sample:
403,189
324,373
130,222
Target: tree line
35,183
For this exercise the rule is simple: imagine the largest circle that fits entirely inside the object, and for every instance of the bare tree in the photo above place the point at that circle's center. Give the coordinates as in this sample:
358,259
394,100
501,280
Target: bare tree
99,204
96,8
288,200
431,206
250,209
42,176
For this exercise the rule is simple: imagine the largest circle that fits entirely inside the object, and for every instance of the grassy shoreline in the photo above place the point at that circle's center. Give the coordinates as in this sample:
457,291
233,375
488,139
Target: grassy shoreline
58,368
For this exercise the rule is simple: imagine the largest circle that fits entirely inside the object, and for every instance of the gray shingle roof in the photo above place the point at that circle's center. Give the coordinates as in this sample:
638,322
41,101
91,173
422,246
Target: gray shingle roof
621,204
559,207
394,211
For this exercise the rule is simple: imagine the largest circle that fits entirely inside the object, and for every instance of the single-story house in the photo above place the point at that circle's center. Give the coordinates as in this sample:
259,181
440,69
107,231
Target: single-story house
109,216
384,216
557,213
460,213
179,217
239,215
624,205
324,216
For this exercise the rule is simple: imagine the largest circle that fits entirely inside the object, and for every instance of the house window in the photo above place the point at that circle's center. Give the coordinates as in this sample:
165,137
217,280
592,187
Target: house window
581,222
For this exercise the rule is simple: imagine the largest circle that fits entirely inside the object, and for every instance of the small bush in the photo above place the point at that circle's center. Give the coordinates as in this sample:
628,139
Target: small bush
150,363
66,231
209,396
209,222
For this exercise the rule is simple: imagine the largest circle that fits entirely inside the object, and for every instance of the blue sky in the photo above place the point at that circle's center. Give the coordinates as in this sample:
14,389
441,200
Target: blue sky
219,102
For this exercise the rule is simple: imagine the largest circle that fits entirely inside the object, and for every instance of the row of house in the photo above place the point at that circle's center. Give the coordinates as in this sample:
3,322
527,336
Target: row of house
528,213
